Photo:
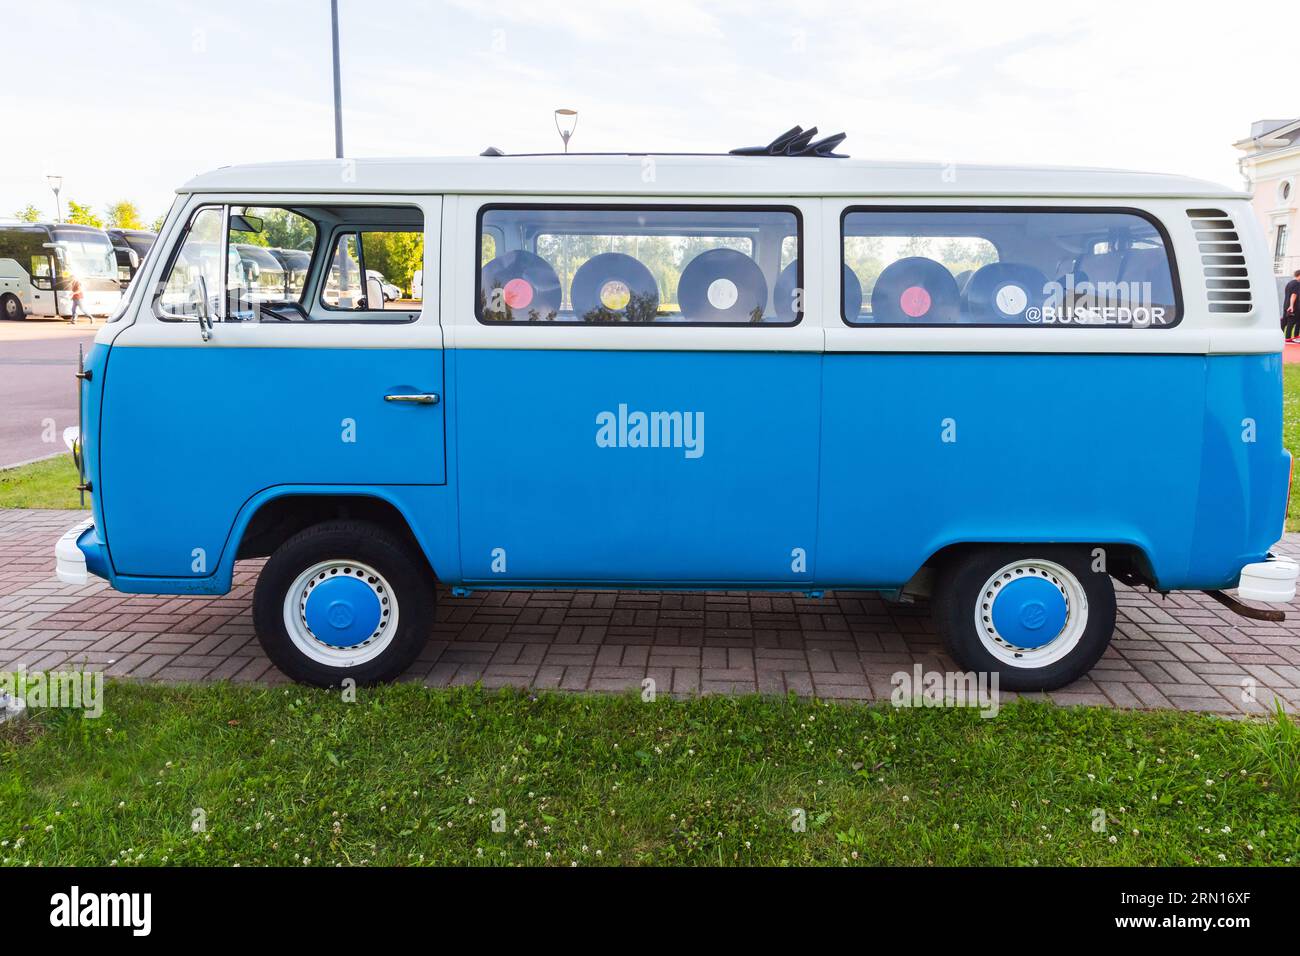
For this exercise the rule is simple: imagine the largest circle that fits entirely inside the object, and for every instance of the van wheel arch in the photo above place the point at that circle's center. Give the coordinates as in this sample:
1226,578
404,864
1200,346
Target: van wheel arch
1127,563
280,518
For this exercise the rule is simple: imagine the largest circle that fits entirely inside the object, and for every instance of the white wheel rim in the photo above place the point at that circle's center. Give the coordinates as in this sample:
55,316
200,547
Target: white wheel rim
317,649
1076,614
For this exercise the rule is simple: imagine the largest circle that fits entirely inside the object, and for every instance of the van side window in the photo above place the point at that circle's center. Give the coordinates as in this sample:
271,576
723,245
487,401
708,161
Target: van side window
269,251
374,271
1022,266
618,265
193,284
335,263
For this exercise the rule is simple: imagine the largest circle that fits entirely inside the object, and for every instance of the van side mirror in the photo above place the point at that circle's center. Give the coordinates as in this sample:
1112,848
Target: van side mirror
133,257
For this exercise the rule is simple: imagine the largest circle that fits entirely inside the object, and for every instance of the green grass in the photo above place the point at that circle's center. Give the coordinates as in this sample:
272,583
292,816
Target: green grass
1291,437
51,483
408,775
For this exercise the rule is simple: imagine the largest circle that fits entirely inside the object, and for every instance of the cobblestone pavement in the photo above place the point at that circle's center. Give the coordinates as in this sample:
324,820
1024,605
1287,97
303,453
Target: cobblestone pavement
1185,651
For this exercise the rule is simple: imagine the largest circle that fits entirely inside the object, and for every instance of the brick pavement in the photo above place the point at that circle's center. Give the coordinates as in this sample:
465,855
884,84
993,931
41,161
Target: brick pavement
1185,652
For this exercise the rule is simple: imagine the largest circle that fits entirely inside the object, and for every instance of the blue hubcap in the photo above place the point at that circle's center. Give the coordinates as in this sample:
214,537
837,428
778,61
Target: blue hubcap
1029,612
342,611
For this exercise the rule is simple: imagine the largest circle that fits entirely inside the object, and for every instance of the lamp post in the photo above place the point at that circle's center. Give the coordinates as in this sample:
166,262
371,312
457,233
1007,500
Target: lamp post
338,92
56,183
566,121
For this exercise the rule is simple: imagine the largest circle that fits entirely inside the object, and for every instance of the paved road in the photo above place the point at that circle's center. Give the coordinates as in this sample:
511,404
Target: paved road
37,362
1187,652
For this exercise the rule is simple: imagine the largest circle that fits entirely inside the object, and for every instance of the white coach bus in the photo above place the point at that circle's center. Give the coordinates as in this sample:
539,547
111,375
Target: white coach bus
38,261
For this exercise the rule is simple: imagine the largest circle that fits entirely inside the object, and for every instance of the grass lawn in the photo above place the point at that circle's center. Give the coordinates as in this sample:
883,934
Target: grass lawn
51,483
408,775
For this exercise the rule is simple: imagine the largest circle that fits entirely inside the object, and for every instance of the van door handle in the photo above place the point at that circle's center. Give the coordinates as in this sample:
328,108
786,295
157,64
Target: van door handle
427,398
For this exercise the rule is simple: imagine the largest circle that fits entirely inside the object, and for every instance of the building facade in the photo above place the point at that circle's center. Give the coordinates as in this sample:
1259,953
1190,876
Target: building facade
1270,163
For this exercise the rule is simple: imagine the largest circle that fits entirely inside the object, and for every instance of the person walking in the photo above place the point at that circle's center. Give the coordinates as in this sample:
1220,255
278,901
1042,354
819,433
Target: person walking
77,302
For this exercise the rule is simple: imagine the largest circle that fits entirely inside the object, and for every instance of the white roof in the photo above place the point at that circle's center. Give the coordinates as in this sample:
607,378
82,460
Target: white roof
693,175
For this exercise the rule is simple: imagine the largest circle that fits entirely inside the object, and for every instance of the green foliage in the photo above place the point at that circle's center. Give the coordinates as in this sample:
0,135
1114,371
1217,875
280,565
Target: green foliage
1278,744
157,224
50,483
396,255
123,214
28,213
82,215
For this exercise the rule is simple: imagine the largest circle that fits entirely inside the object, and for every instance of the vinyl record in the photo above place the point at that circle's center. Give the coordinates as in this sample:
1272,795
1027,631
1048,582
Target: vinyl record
915,290
519,287
722,285
1004,292
787,282
613,287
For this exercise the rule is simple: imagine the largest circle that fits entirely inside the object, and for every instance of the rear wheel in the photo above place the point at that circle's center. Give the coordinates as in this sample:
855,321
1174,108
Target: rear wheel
1037,615
344,599
10,307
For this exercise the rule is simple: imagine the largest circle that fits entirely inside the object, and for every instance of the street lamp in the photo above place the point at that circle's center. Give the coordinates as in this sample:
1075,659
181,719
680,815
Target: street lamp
56,183
338,88
566,121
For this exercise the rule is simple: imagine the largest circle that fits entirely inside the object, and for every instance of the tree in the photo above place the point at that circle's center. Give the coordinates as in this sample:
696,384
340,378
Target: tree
28,213
83,215
158,223
394,255
124,215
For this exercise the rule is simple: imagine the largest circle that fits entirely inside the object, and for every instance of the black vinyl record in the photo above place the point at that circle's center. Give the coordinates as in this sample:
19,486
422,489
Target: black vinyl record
1003,292
519,287
915,290
787,282
722,285
613,287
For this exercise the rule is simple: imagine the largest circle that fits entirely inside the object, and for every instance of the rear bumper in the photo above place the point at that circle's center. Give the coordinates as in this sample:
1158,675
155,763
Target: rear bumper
79,554
1270,582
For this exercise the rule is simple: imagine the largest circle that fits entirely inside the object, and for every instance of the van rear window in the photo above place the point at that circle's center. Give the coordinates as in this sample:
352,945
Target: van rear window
645,265
1056,268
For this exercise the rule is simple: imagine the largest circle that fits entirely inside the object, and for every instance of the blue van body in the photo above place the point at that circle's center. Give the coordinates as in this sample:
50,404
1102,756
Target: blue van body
837,455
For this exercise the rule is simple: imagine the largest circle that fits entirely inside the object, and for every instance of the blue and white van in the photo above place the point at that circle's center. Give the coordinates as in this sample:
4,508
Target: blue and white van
998,388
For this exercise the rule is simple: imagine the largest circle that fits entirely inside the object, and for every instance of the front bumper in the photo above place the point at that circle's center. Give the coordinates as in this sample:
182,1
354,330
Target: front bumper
1270,582
69,560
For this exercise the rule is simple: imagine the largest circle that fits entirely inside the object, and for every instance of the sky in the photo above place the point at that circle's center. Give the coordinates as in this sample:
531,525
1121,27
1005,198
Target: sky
128,101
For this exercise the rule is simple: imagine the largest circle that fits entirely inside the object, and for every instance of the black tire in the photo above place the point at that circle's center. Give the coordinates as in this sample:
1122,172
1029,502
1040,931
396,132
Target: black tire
403,568
960,587
11,307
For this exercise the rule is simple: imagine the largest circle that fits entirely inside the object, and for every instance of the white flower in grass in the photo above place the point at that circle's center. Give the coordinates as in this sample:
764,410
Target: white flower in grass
1114,839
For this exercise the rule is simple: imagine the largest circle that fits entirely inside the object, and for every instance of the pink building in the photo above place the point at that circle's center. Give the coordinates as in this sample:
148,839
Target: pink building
1271,166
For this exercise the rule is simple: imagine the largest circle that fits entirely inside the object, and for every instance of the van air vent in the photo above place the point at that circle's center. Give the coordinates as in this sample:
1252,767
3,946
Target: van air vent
1227,284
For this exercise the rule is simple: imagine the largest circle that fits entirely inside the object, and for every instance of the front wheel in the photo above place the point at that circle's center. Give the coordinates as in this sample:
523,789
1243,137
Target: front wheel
344,599
1039,616
10,307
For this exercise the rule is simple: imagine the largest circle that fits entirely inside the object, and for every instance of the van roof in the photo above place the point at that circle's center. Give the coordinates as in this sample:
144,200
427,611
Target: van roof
694,175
